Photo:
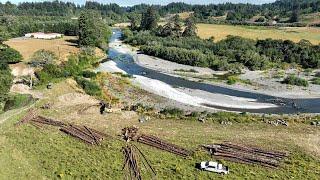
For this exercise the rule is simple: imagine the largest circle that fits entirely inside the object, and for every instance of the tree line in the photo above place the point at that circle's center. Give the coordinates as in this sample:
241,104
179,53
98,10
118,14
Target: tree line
233,53
290,10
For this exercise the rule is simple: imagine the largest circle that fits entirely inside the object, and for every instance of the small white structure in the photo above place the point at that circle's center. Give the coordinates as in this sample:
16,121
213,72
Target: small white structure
41,35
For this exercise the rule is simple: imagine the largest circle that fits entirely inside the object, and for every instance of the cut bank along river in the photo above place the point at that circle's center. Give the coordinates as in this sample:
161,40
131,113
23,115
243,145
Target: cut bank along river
196,93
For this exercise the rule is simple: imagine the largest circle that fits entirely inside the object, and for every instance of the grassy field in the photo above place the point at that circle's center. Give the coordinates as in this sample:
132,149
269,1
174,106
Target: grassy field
255,32
62,47
30,153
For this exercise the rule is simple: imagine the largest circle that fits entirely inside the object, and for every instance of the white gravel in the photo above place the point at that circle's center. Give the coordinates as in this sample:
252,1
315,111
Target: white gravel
185,96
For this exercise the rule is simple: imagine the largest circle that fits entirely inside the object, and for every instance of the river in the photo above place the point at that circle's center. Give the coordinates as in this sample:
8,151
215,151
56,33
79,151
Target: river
124,61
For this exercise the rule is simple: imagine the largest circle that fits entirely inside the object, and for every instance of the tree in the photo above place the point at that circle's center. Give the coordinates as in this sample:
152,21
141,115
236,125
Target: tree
177,28
5,82
87,36
295,13
93,31
9,55
172,28
191,28
149,19
134,22
43,57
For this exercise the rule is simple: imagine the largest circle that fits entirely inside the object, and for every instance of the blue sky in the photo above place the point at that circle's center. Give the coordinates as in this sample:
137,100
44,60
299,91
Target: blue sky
133,2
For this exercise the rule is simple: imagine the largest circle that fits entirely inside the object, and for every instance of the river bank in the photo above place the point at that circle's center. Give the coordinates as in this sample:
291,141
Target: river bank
157,76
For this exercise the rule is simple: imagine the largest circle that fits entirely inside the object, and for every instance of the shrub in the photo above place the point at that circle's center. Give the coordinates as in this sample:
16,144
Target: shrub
18,101
317,74
9,55
5,82
88,74
232,80
174,112
49,72
316,81
90,87
43,57
293,80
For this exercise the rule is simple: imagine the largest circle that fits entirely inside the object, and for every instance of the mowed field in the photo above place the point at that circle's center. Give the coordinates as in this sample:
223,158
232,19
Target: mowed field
255,32
61,47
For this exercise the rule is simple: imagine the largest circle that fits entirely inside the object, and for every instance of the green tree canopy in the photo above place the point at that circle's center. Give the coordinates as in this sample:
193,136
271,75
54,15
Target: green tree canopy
9,55
93,31
149,19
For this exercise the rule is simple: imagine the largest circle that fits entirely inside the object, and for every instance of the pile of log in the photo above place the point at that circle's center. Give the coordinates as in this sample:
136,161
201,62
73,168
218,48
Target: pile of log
43,120
131,134
245,154
163,145
84,133
131,163
132,157
31,114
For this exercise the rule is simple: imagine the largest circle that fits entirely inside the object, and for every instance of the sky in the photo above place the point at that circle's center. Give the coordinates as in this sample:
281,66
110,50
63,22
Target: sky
133,2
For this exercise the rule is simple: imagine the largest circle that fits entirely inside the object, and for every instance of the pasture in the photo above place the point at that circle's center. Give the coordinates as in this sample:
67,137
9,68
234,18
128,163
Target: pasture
256,32
61,47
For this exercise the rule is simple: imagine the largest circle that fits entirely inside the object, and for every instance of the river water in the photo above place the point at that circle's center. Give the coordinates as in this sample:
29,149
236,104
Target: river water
125,62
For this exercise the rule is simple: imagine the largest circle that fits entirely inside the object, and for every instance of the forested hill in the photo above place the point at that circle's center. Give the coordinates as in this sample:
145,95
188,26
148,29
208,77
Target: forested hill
281,9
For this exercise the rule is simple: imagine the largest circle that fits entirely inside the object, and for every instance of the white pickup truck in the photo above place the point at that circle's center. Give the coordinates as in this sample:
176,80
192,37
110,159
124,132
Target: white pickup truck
214,167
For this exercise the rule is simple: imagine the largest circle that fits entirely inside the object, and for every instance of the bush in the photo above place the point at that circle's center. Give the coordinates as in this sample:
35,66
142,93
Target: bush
9,55
5,82
232,80
18,101
293,80
316,81
90,87
88,74
43,57
173,112
49,72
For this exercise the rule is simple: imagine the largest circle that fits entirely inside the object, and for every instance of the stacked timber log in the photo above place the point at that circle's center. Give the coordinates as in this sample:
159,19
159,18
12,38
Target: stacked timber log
163,145
132,157
47,121
31,114
84,133
131,163
131,133
246,154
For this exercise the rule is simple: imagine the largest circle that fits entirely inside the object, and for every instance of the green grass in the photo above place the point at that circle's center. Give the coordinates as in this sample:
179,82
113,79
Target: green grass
30,153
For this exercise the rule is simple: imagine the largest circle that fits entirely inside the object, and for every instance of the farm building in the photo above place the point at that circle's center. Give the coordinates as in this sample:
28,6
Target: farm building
41,35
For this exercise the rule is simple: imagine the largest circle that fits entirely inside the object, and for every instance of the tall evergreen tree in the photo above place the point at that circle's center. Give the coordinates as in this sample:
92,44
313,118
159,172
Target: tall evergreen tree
93,31
149,19
295,12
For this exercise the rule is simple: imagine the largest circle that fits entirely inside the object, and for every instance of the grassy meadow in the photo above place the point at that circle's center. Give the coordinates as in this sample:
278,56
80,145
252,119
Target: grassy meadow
256,32
27,152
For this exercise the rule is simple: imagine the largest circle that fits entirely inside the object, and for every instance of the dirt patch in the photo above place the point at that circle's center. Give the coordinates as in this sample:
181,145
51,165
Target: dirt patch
21,69
24,89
